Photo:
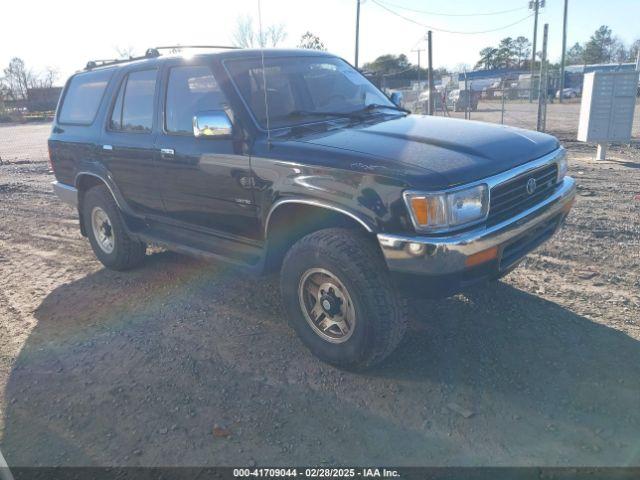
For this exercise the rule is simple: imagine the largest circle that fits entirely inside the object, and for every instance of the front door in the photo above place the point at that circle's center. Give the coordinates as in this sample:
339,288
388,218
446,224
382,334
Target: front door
128,142
205,181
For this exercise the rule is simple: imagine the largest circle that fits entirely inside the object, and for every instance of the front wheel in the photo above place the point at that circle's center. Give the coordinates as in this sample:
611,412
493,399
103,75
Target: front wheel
340,299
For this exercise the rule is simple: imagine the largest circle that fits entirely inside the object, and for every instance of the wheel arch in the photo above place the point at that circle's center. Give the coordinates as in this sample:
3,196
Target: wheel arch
291,219
85,181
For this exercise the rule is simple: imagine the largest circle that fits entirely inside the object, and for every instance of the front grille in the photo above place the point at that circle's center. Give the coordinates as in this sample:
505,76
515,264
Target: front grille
511,197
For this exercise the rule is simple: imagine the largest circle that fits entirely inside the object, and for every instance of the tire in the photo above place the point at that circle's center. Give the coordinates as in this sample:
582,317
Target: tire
123,252
377,313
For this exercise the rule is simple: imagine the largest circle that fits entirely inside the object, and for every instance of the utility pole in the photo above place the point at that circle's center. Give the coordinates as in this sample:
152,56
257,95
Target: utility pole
357,31
564,49
534,5
430,73
542,91
504,94
419,51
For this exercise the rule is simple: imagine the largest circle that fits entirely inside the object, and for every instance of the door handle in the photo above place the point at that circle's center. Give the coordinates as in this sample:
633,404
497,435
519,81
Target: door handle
167,152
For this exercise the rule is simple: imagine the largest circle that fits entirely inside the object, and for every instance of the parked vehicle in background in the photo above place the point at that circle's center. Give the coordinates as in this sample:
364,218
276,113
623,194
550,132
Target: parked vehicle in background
460,100
423,100
292,161
568,93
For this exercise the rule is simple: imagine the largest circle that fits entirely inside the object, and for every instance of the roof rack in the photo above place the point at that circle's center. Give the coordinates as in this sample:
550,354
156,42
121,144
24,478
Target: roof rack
150,53
180,47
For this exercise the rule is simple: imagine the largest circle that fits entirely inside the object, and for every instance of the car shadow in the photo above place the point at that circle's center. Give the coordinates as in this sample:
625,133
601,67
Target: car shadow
184,363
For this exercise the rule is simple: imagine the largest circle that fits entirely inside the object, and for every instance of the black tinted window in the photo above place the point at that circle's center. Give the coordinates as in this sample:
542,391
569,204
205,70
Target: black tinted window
191,89
133,110
82,99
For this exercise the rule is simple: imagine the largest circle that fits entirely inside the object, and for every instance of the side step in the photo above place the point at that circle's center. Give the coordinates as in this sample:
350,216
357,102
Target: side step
198,244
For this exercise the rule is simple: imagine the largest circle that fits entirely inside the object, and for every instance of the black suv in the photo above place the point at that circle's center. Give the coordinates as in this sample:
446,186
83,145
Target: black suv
292,160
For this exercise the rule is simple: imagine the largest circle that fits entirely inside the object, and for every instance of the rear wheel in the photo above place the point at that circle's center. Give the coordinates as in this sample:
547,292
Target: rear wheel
340,299
104,225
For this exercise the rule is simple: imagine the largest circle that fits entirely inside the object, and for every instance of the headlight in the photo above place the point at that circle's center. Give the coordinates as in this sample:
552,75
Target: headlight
437,212
563,165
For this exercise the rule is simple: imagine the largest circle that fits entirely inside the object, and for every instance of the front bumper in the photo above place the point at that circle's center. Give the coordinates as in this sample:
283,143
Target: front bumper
514,238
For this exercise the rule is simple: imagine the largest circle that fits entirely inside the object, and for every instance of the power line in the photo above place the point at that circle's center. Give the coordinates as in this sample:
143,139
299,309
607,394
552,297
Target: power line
448,31
442,14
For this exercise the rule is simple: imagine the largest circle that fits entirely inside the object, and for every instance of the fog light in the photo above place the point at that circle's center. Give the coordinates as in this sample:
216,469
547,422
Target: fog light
416,249
481,257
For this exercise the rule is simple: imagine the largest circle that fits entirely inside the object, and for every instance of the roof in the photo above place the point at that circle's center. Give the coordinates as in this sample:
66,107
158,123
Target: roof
599,67
153,57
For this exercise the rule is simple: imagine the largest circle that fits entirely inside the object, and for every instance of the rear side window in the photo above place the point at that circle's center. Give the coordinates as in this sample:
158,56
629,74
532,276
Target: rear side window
83,96
133,110
191,89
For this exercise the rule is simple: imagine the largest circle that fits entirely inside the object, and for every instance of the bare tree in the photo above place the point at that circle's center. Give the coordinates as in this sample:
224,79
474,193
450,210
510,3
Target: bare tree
18,78
245,35
125,52
274,35
48,77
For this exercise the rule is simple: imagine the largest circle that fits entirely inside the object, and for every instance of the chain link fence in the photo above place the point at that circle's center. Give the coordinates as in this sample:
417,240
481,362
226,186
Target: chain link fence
510,100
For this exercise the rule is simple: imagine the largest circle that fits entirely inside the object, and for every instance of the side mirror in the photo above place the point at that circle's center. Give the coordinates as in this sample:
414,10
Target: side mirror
396,98
212,124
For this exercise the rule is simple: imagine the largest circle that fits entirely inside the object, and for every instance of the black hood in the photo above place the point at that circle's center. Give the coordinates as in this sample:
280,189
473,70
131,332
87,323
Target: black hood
462,151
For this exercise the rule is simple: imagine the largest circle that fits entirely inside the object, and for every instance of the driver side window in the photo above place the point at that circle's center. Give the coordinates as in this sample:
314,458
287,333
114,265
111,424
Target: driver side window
191,89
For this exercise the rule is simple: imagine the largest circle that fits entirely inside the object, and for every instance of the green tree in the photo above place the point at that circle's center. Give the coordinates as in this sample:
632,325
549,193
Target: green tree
386,64
575,55
488,58
506,53
310,41
509,53
522,50
602,47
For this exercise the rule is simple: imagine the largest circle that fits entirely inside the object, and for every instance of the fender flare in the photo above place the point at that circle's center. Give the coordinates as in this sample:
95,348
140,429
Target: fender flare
315,203
117,197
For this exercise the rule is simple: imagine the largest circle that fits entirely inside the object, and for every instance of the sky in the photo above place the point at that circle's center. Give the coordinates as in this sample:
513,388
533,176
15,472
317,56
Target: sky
66,34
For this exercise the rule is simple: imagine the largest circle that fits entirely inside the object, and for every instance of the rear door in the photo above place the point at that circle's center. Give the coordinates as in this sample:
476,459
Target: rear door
128,141
205,182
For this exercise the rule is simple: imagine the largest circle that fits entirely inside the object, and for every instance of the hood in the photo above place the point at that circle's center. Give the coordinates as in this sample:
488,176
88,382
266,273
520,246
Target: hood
461,151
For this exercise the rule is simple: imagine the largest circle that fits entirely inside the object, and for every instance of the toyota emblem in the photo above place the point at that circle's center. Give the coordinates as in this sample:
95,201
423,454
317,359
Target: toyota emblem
531,186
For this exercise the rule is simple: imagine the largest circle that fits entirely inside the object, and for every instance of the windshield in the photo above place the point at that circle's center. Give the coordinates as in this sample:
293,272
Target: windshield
303,89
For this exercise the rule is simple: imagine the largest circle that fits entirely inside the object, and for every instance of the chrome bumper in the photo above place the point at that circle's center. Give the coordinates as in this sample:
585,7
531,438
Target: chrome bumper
448,254
66,193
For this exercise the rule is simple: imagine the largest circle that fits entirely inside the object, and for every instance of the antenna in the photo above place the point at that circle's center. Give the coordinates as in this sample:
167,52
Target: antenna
264,75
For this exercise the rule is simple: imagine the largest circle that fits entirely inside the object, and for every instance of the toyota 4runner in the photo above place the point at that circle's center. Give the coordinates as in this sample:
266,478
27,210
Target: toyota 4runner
292,161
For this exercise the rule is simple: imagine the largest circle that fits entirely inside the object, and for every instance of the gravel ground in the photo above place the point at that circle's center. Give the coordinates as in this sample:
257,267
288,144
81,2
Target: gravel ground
190,363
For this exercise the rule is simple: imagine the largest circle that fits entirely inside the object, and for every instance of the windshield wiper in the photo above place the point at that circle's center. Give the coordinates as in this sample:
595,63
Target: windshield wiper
310,113
353,115
373,106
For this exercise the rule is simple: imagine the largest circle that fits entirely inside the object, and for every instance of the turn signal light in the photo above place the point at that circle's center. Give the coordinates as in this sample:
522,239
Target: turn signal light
429,210
481,257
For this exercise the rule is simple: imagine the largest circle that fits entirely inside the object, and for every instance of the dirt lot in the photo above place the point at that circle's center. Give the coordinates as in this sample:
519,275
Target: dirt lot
157,366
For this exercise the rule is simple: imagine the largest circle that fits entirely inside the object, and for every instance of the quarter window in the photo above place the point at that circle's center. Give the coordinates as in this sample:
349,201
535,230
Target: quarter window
133,110
83,96
191,89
